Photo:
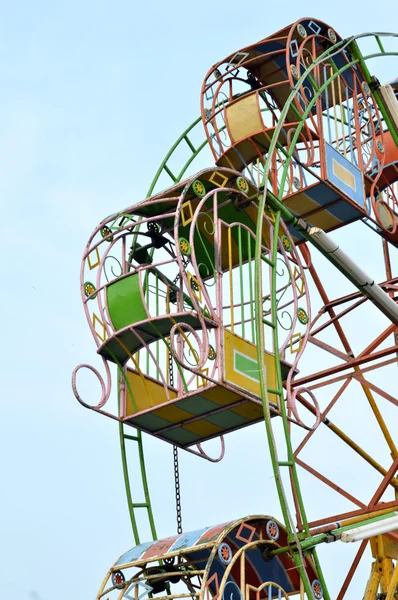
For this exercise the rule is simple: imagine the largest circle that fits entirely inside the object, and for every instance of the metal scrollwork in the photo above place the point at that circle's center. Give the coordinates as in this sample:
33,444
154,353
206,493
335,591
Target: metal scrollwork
105,388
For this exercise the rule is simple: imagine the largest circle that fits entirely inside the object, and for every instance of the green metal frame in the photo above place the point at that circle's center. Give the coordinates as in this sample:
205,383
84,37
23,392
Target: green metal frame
299,545
134,435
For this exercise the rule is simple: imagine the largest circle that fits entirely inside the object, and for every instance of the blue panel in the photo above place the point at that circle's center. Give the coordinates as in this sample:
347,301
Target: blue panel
187,540
322,194
344,175
272,570
134,553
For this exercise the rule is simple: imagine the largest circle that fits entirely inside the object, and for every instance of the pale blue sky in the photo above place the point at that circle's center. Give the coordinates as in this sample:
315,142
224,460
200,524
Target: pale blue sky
92,96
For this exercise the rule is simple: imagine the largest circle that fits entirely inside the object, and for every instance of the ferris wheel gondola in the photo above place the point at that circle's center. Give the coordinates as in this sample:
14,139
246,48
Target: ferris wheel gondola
200,296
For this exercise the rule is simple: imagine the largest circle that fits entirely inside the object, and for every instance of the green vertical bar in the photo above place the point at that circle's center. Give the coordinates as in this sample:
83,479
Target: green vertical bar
157,314
378,40
147,303
127,485
249,243
145,485
242,306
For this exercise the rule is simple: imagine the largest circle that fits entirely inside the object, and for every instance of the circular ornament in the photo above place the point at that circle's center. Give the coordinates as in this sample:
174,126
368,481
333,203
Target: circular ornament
332,36
207,113
302,316
385,216
217,73
105,232
294,71
89,288
225,553
118,578
317,589
366,88
380,146
185,246
212,353
242,184
198,188
286,243
296,183
301,30
152,226
272,530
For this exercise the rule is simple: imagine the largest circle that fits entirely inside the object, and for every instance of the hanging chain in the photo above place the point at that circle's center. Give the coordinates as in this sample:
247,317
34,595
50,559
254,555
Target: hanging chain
175,456
177,489
171,370
175,449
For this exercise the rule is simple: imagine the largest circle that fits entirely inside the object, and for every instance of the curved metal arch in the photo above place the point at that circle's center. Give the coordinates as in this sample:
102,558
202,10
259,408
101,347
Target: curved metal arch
135,435
258,299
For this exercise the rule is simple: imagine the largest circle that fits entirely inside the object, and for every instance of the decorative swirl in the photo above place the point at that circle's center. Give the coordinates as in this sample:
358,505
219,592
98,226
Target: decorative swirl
105,390
292,405
209,231
206,274
208,218
284,313
191,351
203,454
113,272
203,349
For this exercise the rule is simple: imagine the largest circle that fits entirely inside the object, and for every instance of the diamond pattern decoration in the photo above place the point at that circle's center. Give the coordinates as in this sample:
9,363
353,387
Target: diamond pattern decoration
134,590
293,48
238,58
314,27
195,287
201,381
97,262
209,93
295,339
245,528
213,579
102,333
299,281
218,179
186,220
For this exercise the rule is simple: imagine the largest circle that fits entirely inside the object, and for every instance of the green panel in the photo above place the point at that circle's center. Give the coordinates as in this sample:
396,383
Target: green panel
197,405
150,422
125,305
246,365
227,420
181,436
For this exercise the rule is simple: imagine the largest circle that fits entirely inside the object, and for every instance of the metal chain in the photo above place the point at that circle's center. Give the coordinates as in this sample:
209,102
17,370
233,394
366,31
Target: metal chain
177,489
171,370
175,449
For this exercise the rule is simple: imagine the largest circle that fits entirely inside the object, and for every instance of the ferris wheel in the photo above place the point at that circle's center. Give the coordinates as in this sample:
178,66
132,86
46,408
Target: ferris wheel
207,301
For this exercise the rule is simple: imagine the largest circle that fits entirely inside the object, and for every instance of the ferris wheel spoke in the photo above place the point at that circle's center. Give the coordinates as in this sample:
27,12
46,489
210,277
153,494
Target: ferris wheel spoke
385,483
353,445
352,570
330,483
